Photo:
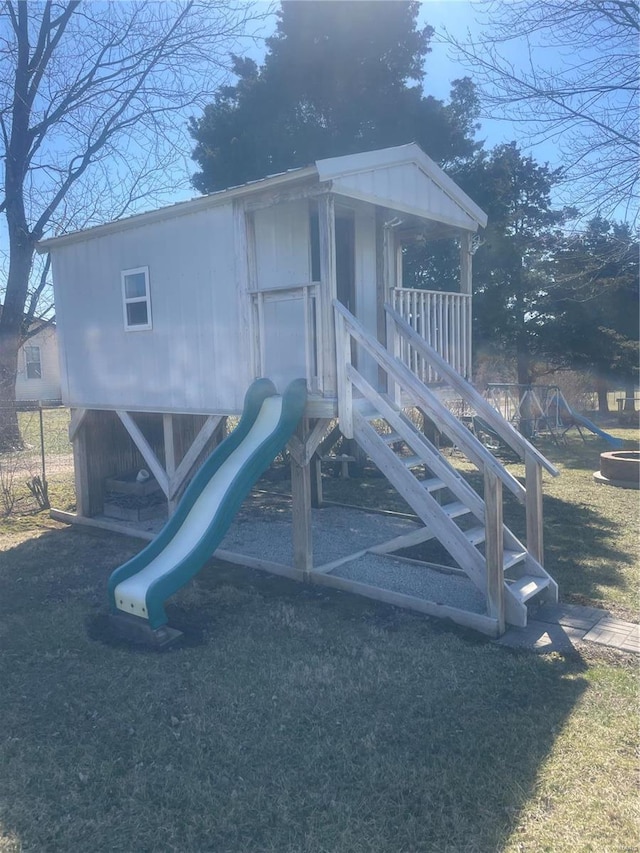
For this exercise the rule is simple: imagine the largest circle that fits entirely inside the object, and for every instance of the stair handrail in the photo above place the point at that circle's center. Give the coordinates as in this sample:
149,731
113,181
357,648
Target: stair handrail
507,432
474,449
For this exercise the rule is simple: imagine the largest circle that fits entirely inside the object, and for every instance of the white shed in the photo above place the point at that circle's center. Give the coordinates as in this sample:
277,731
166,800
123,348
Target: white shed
165,318
178,309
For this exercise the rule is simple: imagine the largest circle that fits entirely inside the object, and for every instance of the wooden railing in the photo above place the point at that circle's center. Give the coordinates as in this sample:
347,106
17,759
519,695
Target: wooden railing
399,375
443,320
308,295
399,329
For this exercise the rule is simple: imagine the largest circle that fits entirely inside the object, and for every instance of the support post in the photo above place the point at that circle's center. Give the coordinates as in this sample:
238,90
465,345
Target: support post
329,288
81,465
466,239
317,498
344,387
393,346
533,483
169,457
494,551
466,287
301,511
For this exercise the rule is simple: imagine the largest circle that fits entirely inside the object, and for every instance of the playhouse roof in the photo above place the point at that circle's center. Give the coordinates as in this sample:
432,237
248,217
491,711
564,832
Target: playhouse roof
403,179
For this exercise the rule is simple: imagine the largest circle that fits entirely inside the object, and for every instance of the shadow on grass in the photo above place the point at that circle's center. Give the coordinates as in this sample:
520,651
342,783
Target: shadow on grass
305,720
580,549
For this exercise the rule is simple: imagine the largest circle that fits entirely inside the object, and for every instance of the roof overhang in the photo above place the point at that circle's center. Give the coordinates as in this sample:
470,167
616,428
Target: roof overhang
403,179
182,208
406,180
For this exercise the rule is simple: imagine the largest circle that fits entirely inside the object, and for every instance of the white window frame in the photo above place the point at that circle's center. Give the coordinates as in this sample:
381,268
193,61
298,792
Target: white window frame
27,362
137,327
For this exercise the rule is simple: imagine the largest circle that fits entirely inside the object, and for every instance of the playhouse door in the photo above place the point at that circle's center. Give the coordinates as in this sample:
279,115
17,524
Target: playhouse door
282,307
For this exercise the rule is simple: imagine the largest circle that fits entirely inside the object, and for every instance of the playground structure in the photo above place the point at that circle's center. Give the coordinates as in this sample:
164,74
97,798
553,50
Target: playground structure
542,410
168,317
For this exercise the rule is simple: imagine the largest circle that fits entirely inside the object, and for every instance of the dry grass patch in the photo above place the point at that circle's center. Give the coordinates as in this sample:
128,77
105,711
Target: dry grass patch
300,720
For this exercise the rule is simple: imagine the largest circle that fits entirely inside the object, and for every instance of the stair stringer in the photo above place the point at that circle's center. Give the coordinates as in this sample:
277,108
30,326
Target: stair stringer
424,505
432,513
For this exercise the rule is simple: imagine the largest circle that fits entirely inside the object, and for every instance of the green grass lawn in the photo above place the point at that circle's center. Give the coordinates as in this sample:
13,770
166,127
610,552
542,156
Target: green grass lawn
296,719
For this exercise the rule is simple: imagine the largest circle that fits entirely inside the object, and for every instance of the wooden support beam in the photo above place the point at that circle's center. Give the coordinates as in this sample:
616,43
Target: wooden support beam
345,388
316,438
466,239
77,419
406,540
306,443
145,449
329,291
191,456
169,456
81,465
317,497
296,449
533,508
303,450
301,517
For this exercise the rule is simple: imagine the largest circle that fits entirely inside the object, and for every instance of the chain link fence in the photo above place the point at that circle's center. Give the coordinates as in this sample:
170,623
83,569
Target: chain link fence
36,458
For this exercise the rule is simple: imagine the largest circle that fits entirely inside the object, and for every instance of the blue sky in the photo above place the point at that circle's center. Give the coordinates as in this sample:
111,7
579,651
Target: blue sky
457,17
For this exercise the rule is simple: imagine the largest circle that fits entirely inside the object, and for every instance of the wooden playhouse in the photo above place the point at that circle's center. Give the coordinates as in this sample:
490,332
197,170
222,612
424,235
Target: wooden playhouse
165,318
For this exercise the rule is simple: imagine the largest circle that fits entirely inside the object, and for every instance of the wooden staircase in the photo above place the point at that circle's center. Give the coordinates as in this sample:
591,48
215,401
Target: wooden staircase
469,525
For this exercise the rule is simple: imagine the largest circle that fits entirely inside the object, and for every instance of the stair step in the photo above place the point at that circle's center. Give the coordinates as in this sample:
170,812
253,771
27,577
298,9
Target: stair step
527,586
369,412
511,558
433,484
391,437
475,535
411,461
455,509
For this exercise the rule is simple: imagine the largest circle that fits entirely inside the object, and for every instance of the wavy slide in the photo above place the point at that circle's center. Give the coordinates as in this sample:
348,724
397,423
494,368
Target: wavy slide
140,587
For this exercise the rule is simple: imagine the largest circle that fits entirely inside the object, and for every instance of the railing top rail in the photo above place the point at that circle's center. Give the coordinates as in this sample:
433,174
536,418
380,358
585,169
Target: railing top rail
503,428
419,290
476,451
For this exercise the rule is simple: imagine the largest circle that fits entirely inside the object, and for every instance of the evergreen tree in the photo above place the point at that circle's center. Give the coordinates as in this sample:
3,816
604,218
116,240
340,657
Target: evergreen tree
338,78
509,268
592,310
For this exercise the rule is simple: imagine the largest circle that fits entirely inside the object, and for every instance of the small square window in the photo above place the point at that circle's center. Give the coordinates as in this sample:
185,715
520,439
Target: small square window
135,285
137,314
136,299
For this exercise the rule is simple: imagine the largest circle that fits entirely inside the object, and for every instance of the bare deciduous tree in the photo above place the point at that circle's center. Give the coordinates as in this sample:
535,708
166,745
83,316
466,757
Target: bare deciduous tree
573,80
94,100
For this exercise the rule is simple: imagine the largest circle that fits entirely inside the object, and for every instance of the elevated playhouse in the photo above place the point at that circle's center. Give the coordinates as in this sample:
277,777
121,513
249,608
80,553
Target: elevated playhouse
166,318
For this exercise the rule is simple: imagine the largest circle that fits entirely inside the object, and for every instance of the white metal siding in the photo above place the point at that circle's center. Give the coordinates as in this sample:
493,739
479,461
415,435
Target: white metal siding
195,356
283,254
47,387
406,188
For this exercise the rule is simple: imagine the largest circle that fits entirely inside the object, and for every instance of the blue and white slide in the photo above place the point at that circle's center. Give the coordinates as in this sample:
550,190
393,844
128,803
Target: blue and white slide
139,588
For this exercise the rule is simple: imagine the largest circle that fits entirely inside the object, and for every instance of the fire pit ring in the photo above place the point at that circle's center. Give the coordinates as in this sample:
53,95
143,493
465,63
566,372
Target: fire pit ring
619,468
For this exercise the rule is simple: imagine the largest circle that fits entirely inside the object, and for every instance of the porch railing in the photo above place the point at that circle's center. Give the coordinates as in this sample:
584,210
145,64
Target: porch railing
443,320
306,298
